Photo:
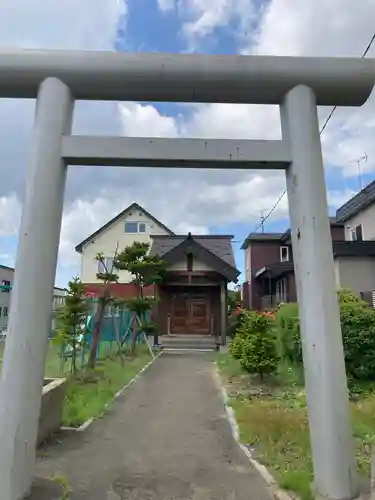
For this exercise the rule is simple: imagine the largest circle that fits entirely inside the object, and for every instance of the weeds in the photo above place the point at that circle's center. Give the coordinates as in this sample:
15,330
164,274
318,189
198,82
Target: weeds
273,422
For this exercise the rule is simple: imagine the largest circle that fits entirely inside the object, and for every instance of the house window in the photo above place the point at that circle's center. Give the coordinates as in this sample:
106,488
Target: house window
284,254
1,311
356,233
5,311
6,283
105,265
135,227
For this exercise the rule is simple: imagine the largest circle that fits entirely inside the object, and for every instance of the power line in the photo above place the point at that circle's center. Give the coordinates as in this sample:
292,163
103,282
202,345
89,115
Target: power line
263,220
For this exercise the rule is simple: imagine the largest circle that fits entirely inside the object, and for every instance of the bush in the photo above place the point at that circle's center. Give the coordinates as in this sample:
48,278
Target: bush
254,343
358,332
251,321
289,338
259,354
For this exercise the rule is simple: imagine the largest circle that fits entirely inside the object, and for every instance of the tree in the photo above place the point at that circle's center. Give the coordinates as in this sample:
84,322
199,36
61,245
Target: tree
107,276
234,298
146,270
71,327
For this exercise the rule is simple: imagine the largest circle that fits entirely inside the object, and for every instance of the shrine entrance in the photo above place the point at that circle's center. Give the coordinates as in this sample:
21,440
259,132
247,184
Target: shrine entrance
297,85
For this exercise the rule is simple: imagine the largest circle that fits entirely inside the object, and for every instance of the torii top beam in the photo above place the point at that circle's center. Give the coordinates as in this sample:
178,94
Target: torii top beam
187,77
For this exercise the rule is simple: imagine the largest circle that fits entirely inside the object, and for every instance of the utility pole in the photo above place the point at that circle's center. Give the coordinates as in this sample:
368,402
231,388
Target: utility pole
358,161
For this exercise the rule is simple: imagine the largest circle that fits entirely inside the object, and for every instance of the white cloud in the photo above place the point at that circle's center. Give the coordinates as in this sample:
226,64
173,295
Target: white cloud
185,228
233,121
145,121
315,28
52,24
321,28
337,198
68,24
166,4
200,18
10,215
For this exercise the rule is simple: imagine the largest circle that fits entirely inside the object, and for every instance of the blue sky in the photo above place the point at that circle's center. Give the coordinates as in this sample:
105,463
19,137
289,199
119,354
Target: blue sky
224,203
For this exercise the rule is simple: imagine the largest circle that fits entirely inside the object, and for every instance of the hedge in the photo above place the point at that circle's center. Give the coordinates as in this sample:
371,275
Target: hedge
358,331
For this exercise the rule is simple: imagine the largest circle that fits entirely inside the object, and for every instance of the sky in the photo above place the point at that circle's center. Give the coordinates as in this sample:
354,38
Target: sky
204,202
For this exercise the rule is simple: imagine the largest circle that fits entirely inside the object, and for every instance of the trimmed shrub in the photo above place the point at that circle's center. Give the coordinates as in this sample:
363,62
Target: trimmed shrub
358,332
259,355
254,343
238,333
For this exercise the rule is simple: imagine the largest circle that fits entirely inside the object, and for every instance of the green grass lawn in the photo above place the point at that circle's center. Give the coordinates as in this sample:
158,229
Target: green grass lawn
53,364
54,367
275,425
90,391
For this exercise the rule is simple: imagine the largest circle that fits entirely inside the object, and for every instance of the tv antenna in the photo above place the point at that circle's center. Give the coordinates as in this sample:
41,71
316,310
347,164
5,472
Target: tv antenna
358,161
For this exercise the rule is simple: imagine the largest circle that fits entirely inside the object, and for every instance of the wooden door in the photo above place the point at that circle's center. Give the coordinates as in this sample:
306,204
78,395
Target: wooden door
179,314
199,317
190,315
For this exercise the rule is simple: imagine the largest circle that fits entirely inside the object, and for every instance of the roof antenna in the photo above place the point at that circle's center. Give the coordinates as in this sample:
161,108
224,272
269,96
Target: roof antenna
358,161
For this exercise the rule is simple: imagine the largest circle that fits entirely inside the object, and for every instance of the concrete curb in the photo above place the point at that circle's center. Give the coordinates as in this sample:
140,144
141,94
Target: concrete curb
276,492
119,393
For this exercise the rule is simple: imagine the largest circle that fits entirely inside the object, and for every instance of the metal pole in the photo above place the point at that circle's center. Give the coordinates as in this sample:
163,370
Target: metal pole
325,377
31,307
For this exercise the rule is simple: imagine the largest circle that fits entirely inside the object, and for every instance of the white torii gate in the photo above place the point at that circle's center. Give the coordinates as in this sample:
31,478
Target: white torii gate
298,85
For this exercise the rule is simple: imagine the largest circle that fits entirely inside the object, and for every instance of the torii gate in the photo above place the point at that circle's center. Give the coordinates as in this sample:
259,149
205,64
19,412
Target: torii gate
298,85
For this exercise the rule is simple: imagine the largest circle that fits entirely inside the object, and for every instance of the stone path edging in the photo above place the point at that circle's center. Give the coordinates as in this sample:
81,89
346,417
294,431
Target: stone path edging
119,393
277,493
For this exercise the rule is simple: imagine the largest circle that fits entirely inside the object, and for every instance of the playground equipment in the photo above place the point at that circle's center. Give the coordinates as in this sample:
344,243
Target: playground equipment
297,85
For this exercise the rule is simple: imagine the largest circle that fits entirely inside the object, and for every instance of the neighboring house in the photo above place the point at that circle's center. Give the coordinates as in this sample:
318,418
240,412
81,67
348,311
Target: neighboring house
358,215
193,296
6,279
269,268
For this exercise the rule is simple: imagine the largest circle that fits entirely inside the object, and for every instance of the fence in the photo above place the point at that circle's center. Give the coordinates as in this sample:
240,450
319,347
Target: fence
116,324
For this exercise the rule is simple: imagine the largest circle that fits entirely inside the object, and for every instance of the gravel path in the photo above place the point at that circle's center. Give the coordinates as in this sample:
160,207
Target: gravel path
166,438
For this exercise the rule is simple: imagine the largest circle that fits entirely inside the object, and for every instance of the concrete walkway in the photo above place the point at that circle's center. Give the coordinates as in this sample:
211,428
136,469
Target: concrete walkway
166,438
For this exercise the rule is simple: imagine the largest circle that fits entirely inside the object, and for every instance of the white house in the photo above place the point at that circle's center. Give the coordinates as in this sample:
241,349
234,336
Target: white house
132,224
